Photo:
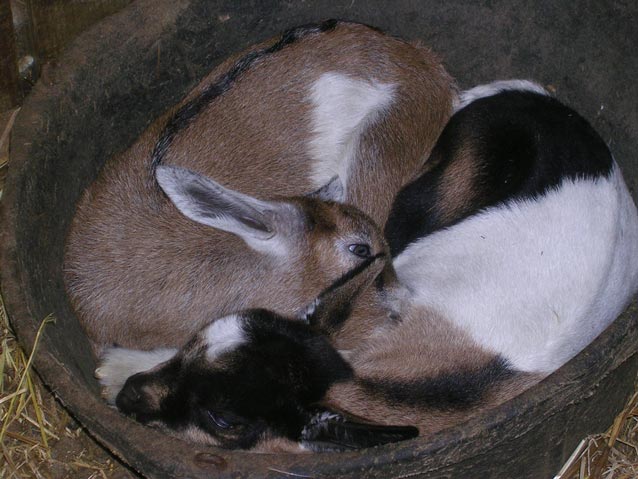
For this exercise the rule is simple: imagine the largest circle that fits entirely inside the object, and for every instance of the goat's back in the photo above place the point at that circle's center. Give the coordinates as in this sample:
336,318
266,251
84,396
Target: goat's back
535,250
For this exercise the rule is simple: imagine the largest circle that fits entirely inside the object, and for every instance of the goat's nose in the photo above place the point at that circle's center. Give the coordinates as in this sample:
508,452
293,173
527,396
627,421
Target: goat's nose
130,399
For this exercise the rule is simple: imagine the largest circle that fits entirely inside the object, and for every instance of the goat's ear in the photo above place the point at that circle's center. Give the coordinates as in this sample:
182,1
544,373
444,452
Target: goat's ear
332,432
207,202
331,191
333,305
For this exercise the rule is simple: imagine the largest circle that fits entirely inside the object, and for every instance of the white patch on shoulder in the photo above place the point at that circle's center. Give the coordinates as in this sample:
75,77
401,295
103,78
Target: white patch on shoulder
118,364
491,89
223,335
536,280
342,108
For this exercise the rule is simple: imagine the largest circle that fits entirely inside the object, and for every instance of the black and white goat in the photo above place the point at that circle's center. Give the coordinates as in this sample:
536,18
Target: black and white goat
524,233
516,249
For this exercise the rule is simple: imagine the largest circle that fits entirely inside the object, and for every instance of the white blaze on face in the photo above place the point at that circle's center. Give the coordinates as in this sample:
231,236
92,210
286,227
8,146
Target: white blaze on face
223,336
342,108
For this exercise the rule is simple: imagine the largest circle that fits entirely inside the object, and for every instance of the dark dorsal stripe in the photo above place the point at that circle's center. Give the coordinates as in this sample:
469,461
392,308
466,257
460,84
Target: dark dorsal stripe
334,304
185,115
454,390
350,274
521,145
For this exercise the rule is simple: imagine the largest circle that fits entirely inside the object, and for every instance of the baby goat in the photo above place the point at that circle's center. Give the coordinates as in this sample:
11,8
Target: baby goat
335,99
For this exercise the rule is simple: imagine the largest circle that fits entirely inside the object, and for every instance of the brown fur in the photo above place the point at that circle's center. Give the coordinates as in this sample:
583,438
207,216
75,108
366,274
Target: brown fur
142,275
424,345
181,282
458,185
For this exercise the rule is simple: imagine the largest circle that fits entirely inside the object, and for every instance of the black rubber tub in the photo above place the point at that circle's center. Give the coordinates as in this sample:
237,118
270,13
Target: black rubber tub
133,65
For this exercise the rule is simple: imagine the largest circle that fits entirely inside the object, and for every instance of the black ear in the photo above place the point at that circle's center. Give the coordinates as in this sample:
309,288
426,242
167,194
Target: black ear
331,432
332,306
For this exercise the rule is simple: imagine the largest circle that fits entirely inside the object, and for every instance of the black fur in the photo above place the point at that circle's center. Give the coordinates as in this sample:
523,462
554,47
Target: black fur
522,143
339,434
334,304
457,390
185,115
264,385
269,386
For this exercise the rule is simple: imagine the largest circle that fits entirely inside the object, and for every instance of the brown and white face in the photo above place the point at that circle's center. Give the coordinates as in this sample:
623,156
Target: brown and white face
337,239
246,380
305,243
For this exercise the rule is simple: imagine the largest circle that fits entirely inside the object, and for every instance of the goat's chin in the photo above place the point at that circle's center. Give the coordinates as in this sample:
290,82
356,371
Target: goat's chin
190,434
266,445
278,445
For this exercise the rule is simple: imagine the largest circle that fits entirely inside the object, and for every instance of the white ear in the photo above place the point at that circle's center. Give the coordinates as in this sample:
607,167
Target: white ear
207,202
118,364
331,191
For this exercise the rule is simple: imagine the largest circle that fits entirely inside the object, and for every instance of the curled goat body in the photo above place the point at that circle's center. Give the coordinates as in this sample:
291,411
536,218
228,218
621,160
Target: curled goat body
513,252
335,99
524,233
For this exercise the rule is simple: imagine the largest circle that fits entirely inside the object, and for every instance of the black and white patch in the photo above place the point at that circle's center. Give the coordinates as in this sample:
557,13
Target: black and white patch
521,144
447,391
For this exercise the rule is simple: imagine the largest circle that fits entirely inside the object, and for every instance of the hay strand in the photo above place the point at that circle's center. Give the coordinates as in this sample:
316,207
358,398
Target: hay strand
611,455
39,416
9,417
38,438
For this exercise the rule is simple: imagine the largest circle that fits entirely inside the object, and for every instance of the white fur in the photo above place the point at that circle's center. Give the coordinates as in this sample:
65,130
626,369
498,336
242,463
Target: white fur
118,364
535,281
223,336
342,108
490,89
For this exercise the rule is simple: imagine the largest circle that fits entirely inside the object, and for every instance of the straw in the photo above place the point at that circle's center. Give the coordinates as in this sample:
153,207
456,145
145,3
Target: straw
33,424
9,417
611,455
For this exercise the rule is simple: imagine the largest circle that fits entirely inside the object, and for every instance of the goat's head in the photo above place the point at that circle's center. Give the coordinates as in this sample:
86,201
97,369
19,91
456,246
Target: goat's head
253,377
248,379
306,242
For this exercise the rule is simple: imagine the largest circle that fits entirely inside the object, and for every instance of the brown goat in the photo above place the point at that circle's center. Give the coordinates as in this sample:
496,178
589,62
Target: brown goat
333,99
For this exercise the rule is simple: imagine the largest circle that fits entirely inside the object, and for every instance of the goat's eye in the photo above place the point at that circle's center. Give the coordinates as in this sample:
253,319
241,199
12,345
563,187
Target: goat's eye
219,420
361,250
